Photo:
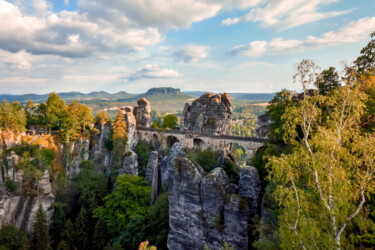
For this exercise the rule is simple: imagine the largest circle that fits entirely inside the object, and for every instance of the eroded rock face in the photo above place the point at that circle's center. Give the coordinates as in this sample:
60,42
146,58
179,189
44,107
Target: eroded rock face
262,126
98,151
142,113
204,208
131,123
185,207
249,187
130,165
178,150
210,114
79,152
152,175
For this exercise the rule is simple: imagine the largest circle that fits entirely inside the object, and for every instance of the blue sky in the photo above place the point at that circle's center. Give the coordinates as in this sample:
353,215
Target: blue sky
208,45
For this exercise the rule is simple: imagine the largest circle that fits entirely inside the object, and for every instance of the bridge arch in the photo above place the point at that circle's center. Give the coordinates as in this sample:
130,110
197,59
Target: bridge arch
170,140
197,142
155,140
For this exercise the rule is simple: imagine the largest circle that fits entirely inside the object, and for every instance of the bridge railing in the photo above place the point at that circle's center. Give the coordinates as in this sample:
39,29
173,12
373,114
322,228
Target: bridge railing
225,137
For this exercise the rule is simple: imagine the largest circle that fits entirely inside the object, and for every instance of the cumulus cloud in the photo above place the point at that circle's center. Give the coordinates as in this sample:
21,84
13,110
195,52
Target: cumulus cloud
353,32
19,60
191,53
151,71
68,34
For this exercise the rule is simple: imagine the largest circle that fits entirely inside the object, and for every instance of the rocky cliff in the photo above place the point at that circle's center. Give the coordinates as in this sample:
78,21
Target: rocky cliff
210,114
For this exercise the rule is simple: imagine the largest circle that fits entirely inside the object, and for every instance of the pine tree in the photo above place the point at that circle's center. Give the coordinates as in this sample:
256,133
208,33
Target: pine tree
41,230
100,234
119,137
80,230
67,233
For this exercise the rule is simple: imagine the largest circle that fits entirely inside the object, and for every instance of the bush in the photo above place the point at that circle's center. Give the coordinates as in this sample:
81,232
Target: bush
207,159
143,150
10,184
232,171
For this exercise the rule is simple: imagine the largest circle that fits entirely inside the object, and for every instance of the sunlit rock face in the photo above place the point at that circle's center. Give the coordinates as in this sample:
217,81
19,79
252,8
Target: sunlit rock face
142,113
210,114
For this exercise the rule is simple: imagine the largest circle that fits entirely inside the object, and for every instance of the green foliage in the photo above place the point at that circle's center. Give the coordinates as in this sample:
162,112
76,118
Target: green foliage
20,149
276,110
102,117
328,81
170,121
130,197
67,233
232,171
40,235
158,222
134,233
10,184
366,61
109,141
218,223
120,138
12,238
143,150
55,110
81,237
157,123
239,154
44,157
101,236
207,159
12,116
90,186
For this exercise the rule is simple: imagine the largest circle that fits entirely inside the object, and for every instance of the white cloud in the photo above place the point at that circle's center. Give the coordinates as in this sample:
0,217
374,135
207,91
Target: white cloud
230,21
68,34
152,71
19,60
191,53
285,14
353,32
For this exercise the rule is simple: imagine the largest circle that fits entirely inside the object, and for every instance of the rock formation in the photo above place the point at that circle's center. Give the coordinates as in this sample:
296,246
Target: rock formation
142,113
263,125
205,208
152,175
130,165
210,114
249,187
98,150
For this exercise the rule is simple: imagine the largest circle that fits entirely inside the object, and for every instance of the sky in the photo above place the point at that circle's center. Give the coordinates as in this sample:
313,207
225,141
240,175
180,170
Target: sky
247,46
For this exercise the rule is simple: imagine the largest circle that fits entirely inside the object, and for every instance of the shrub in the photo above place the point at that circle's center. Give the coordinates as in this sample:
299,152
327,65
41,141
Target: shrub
232,171
10,184
12,238
207,159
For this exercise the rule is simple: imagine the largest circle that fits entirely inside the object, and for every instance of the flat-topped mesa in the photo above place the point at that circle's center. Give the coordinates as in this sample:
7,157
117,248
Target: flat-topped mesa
210,114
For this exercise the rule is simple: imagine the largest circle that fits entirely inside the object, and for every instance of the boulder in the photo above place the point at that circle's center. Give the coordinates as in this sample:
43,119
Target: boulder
210,114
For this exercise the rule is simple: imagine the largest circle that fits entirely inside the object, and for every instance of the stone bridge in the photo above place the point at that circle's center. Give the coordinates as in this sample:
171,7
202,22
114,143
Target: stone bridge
168,137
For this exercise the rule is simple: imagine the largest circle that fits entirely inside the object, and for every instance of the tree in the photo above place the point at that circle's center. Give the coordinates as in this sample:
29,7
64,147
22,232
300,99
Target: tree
90,186
81,230
41,230
102,117
12,238
306,75
366,61
67,234
131,197
12,116
327,81
119,138
55,110
322,184
100,234
170,121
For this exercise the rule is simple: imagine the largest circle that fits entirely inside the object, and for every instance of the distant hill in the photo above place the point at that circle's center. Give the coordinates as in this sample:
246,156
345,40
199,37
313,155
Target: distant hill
160,94
101,95
237,96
